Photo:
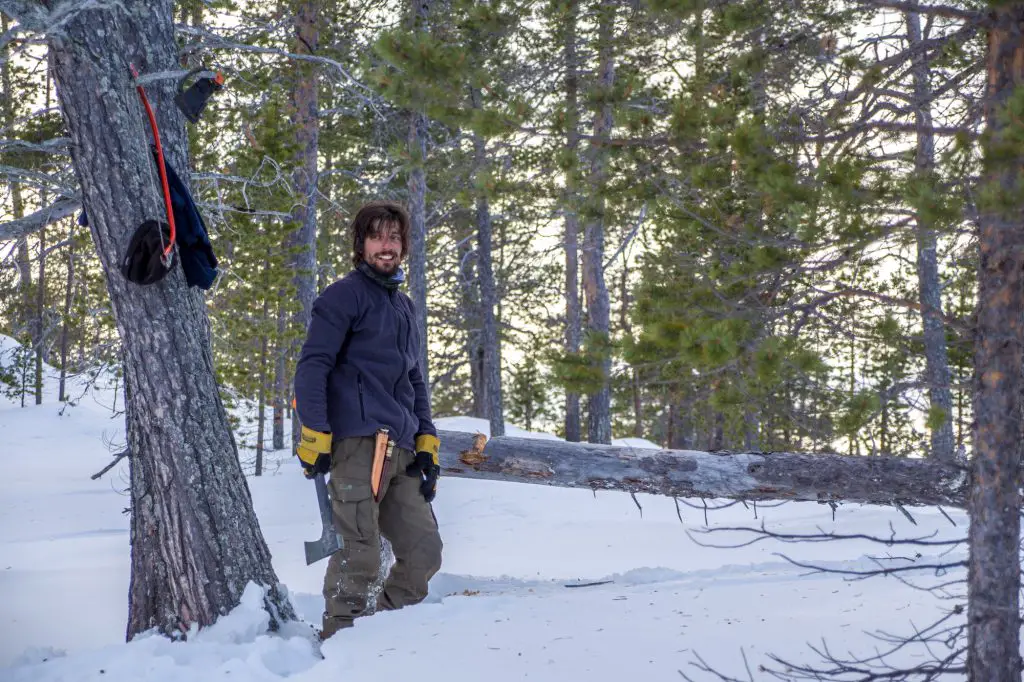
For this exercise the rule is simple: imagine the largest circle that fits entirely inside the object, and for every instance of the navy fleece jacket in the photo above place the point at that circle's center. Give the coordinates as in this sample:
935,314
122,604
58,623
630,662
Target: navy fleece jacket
359,367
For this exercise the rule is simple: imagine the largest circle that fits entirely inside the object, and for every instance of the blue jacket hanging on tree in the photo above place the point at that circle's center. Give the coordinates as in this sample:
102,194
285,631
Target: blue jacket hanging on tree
194,248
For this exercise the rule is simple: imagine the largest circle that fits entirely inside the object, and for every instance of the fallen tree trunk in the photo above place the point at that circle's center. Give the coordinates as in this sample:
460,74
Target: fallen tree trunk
689,473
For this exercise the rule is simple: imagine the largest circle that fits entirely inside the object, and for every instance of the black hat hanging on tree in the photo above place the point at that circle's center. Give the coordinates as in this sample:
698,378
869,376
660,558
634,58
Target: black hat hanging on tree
191,102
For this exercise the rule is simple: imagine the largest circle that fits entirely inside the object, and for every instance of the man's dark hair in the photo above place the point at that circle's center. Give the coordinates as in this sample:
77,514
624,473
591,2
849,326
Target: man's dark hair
373,217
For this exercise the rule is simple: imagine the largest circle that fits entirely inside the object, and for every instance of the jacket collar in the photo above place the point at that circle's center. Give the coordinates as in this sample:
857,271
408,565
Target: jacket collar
389,282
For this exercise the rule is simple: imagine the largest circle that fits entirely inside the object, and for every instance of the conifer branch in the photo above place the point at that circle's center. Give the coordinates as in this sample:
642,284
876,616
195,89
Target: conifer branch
975,18
30,224
214,41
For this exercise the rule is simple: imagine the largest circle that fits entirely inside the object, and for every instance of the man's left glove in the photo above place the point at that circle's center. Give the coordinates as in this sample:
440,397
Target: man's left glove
426,465
314,451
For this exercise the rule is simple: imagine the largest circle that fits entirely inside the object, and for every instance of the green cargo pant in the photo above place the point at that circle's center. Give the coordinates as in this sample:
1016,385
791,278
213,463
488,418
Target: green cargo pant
402,516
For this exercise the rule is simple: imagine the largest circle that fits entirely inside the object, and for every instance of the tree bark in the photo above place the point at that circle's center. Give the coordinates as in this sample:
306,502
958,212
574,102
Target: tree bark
691,473
417,145
488,290
598,306
929,285
570,206
993,576
305,103
195,540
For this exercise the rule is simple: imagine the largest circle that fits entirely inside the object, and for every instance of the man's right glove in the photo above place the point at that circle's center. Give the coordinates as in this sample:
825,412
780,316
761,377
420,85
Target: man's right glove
426,465
314,451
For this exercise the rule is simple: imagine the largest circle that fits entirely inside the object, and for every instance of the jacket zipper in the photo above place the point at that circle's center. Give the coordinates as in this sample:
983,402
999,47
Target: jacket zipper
398,339
362,409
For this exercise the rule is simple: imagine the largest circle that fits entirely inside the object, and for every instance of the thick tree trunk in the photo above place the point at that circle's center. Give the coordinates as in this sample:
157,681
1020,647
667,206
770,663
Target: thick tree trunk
488,292
417,261
690,473
570,206
195,541
930,288
305,103
993,580
598,306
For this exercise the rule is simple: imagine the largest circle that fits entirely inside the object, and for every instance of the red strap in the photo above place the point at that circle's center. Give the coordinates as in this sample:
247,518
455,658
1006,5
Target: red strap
160,163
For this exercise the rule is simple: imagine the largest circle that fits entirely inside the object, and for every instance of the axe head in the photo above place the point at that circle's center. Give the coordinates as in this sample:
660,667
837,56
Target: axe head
329,543
330,540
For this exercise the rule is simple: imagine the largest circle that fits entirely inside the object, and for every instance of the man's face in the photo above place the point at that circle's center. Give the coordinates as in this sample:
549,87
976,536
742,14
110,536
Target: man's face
383,250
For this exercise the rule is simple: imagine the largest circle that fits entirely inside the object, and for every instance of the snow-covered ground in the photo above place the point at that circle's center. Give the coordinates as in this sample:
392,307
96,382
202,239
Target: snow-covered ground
512,601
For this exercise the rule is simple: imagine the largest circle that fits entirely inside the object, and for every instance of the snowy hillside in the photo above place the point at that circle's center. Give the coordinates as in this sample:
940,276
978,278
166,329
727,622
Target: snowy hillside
513,600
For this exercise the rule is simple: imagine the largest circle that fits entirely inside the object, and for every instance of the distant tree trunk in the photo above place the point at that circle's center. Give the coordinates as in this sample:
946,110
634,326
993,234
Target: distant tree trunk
598,306
195,540
716,427
670,426
570,205
261,409
280,380
417,145
469,294
40,335
634,376
936,357
68,299
488,290
993,578
22,259
684,432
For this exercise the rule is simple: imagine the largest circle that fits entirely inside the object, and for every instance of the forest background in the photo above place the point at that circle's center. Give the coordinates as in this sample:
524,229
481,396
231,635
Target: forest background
715,225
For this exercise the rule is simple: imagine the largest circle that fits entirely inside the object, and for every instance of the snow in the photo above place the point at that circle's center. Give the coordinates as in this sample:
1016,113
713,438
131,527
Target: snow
477,425
502,607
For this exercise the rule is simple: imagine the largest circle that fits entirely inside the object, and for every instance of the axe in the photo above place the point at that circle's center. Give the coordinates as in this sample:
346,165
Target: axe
330,541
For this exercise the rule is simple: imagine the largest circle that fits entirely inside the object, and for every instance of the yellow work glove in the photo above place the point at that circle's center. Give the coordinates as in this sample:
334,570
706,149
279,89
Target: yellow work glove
426,465
314,452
